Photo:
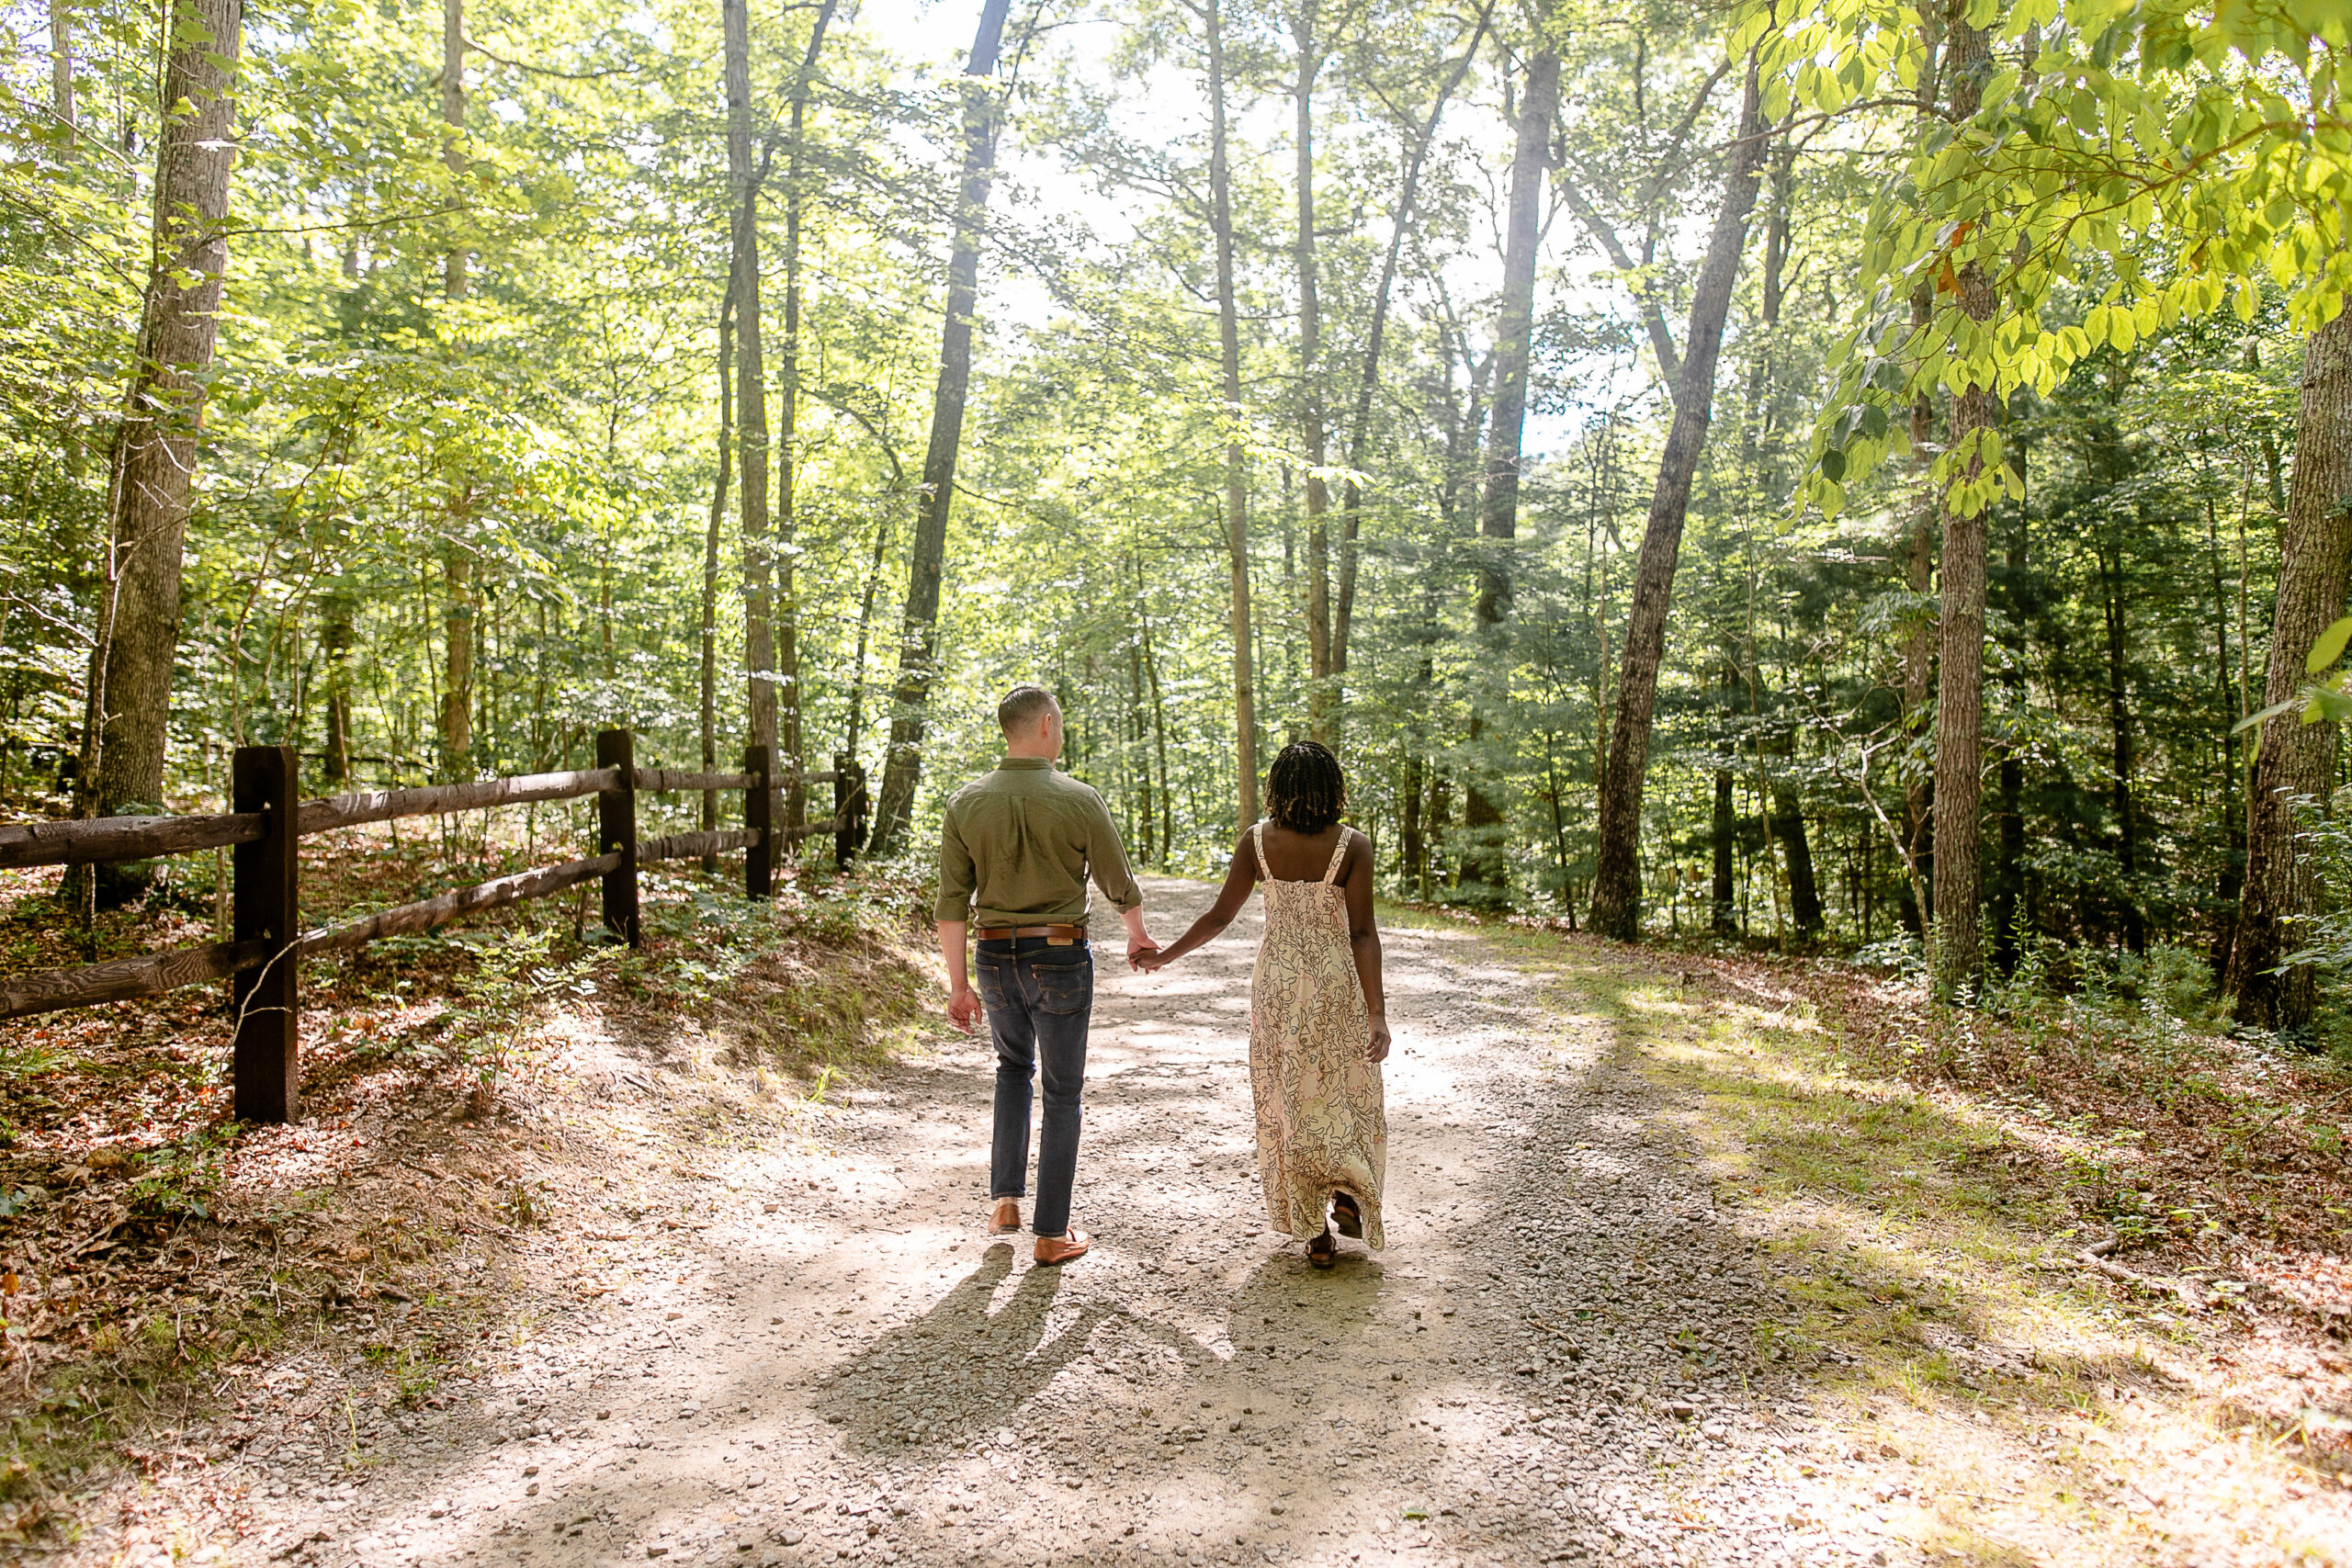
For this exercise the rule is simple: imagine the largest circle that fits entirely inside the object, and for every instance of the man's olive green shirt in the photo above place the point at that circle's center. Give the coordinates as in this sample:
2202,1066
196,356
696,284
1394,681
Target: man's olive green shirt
1016,847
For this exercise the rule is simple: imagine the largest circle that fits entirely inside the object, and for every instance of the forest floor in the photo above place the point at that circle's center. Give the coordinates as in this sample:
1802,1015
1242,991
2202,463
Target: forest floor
1672,1276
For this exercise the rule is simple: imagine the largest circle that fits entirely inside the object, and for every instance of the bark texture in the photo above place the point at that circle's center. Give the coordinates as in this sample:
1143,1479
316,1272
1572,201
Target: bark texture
1237,462
745,179
130,692
1483,871
926,558
1617,884
2293,758
1958,959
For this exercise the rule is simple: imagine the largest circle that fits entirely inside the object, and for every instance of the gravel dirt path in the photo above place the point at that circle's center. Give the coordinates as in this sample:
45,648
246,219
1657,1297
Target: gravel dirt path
790,1349
1551,1360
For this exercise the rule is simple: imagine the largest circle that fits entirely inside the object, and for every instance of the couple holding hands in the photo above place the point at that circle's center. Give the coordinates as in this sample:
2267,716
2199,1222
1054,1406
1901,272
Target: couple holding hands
1016,847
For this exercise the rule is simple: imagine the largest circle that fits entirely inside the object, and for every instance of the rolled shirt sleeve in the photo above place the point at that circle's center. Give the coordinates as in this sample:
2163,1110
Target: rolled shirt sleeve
1107,859
956,874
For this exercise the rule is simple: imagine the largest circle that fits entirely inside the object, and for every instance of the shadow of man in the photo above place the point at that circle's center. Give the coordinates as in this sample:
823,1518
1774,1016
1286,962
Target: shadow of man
960,1369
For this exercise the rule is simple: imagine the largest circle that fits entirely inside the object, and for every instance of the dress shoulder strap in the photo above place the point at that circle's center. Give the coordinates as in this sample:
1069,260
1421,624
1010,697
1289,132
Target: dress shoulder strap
1258,839
1338,855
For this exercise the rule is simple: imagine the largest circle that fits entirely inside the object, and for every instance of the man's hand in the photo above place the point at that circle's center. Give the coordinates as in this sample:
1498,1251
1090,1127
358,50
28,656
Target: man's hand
963,1008
1139,940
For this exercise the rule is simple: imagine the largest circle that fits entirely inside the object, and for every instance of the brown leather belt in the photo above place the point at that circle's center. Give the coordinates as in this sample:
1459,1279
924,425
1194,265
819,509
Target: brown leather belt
1056,936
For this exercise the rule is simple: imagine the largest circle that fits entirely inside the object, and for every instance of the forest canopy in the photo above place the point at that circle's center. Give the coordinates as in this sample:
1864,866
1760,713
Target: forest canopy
1821,474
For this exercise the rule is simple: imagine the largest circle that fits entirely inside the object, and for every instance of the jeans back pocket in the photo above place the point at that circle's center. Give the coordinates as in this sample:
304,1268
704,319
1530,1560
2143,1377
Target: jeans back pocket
1063,987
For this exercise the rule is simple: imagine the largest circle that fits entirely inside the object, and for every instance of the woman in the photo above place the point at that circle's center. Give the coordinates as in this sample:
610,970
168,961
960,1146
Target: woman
1319,1029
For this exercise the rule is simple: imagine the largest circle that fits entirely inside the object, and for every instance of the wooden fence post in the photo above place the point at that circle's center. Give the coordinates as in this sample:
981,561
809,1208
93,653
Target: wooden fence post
617,829
269,1061
759,815
849,809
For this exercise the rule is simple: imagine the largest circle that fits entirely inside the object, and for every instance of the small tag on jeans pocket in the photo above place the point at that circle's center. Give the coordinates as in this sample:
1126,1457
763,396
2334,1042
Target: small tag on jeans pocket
1061,941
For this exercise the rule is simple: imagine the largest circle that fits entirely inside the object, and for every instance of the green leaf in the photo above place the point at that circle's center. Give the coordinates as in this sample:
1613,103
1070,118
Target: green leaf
2329,647
1833,465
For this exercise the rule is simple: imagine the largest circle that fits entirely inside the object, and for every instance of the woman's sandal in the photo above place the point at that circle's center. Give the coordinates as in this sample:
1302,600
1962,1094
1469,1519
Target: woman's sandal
1346,1216
1323,1252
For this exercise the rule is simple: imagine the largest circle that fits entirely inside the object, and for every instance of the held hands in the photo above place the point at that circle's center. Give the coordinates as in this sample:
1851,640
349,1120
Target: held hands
1151,960
1378,1051
1143,953
964,1010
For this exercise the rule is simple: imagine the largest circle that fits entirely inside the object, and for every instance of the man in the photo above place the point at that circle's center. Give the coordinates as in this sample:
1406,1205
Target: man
1016,847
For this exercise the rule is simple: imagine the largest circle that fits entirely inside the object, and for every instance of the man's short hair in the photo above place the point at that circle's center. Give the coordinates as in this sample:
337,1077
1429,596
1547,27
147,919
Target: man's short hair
1021,708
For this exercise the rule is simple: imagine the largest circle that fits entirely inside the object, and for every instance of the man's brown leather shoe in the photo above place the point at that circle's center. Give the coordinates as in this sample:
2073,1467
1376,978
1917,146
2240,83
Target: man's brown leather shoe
1004,1217
1062,1248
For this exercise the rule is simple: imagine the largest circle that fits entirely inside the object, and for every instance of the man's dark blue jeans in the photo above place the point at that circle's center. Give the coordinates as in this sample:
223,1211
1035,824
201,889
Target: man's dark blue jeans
1039,998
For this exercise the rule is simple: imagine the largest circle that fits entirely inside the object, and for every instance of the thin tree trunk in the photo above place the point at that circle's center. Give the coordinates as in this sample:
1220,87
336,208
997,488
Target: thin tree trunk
710,564
751,402
919,640
789,744
1484,876
1617,887
453,115
1958,961
2232,880
2118,716
1368,377
61,61
1725,919
334,642
1159,742
458,645
129,691
2294,758
1236,468
1320,693
2008,884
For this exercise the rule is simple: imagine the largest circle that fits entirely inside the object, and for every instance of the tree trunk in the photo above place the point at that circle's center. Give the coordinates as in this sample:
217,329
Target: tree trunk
1617,884
750,390
1236,470
1958,961
1723,919
2294,758
334,642
1368,377
453,115
1484,875
61,61
1319,693
1804,886
1919,648
919,638
130,692
2009,882
457,648
2119,717
710,564
2232,880
789,744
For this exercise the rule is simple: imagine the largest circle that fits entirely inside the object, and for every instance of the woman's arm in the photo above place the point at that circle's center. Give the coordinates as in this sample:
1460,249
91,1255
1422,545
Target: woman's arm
1239,878
1364,941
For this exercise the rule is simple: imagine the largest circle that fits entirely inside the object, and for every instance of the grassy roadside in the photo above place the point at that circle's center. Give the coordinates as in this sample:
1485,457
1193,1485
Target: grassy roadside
2000,1398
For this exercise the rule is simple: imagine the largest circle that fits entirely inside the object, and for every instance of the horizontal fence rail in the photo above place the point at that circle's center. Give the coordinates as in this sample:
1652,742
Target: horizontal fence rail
438,800
125,837
125,979
266,831
427,914
694,846
664,781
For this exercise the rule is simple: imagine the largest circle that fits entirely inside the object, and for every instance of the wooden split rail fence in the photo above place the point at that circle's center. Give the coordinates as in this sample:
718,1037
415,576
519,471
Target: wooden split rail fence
265,824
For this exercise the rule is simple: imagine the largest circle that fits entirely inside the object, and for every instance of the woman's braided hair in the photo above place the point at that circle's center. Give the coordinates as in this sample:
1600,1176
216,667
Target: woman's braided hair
1306,792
